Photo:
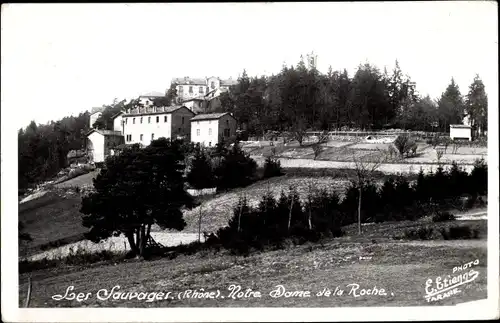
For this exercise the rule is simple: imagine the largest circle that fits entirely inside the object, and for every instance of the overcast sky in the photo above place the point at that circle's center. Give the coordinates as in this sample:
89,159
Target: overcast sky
62,59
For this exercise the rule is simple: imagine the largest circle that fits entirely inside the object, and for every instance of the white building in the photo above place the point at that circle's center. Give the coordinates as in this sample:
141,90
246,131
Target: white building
208,129
100,144
189,88
95,113
460,131
143,125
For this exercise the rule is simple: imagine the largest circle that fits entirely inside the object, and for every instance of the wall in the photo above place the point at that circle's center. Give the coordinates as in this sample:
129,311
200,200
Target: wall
93,118
196,106
96,147
185,92
227,122
180,128
205,138
460,133
160,129
117,124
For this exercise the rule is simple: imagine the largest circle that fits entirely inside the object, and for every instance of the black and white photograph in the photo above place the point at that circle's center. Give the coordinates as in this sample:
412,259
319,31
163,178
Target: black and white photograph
258,161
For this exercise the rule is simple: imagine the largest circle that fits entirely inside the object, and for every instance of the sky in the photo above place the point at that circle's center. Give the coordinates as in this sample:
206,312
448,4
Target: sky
63,59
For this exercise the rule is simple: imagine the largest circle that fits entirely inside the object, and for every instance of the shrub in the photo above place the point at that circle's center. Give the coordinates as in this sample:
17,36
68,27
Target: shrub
405,145
236,169
418,234
201,174
459,232
272,168
442,217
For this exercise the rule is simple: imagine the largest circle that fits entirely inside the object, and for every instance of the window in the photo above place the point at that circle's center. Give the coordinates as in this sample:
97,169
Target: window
200,89
227,123
210,121
129,138
133,120
197,132
157,119
165,119
226,132
197,122
182,120
152,136
209,144
208,89
181,88
209,131
126,119
180,130
141,119
212,85
149,119
141,137
190,89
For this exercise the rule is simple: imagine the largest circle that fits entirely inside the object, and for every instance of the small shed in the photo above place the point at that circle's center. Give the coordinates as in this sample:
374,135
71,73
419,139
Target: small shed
460,131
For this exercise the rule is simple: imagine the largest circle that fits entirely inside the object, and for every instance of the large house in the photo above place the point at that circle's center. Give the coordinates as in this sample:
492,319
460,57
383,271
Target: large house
201,88
143,125
209,129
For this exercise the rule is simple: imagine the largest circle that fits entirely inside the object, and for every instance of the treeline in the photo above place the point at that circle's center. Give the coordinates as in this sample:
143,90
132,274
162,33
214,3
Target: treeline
321,213
42,149
300,97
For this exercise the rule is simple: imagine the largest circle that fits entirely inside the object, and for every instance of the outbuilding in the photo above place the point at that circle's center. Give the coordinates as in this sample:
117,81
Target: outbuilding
460,131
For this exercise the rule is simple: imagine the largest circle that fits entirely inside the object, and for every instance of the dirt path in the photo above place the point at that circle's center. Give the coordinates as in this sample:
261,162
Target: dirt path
115,244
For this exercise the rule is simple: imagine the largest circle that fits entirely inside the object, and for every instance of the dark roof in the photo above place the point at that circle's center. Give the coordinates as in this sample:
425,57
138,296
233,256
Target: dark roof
209,116
117,114
155,110
105,132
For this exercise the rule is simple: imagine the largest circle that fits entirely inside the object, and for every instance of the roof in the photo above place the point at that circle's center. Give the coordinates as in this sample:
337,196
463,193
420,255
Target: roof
105,132
154,94
117,114
228,82
96,109
155,110
459,126
189,80
201,81
209,116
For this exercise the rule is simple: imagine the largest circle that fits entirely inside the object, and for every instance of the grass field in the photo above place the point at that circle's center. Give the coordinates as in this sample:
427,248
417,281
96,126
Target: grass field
217,211
400,268
51,219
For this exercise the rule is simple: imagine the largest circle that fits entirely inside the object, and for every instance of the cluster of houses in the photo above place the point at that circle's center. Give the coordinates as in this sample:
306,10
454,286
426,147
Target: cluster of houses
186,119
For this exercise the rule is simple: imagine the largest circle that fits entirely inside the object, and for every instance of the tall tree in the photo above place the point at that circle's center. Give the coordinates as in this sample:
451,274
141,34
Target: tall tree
476,106
450,106
136,189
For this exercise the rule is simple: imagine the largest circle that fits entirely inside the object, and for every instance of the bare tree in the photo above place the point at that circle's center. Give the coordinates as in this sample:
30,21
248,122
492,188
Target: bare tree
439,154
364,173
317,148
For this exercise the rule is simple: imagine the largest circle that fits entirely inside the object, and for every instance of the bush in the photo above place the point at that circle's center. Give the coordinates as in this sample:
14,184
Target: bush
418,234
443,217
459,232
272,168
236,169
405,145
201,174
